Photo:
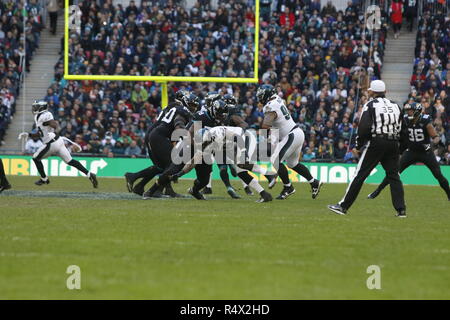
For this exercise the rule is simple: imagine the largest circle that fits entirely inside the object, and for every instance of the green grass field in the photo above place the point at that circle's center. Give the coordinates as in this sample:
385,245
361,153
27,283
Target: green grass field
219,249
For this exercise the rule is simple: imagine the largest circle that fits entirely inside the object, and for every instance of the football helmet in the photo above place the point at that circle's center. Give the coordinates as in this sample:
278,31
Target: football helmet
230,100
39,106
413,110
210,98
265,92
218,110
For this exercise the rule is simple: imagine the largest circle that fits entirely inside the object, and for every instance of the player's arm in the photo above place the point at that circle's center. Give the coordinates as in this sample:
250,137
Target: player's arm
364,128
269,118
433,134
239,121
179,122
52,123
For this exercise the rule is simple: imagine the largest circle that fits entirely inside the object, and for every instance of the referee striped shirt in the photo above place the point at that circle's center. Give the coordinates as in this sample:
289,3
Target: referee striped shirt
380,117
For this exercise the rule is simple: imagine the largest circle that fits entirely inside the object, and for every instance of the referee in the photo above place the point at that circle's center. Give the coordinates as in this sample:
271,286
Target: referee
378,134
4,184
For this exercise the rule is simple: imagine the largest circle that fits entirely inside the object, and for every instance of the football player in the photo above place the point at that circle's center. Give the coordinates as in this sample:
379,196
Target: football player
183,98
221,139
210,98
420,135
4,184
291,138
234,119
53,144
176,117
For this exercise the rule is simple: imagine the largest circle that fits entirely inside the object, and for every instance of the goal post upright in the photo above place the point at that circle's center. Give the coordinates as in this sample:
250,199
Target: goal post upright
163,80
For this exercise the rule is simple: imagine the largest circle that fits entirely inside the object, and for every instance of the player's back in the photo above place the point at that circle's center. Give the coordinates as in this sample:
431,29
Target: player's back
204,118
418,137
46,132
283,121
165,123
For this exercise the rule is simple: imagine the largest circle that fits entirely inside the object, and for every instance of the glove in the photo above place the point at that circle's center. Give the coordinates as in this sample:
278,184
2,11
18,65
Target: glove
23,135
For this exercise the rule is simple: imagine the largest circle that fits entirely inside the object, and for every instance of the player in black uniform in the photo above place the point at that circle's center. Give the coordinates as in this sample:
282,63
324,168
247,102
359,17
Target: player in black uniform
419,135
4,184
182,97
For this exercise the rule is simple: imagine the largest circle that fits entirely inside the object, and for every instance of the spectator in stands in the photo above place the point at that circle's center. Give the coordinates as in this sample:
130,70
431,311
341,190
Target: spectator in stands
133,150
396,11
33,143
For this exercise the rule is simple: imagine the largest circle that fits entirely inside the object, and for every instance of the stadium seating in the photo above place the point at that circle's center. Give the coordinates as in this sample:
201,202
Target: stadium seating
319,59
11,50
430,81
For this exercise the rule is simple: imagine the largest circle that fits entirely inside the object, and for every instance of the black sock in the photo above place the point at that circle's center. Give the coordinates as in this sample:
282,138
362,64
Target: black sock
147,174
40,168
303,171
3,180
225,178
283,174
76,164
197,186
246,177
150,171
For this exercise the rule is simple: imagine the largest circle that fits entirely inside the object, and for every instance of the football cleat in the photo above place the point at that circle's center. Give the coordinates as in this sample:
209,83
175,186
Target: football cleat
138,190
168,191
374,194
401,214
93,179
248,191
336,208
286,192
207,190
265,197
129,182
40,182
315,188
272,178
5,187
233,193
159,194
197,195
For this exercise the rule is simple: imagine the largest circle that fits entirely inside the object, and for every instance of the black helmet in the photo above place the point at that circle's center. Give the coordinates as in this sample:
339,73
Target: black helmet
230,100
180,94
210,98
191,101
218,110
416,107
39,106
265,92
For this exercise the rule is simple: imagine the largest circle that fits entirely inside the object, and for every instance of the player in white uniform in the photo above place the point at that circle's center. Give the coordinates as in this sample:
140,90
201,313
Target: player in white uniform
53,144
222,139
290,141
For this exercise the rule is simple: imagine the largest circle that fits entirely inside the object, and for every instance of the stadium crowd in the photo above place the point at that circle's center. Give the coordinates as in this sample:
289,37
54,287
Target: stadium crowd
430,82
12,51
320,60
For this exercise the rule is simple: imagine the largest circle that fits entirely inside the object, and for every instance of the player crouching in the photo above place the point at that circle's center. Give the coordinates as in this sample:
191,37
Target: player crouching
53,144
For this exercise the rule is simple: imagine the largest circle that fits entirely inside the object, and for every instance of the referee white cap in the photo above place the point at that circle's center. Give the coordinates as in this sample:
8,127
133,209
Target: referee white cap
377,86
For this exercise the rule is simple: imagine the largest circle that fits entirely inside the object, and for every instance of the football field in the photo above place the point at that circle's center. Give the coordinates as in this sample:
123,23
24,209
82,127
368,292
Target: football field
129,248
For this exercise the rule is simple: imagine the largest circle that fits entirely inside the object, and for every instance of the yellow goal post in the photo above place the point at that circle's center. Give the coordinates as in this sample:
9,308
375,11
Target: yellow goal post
163,80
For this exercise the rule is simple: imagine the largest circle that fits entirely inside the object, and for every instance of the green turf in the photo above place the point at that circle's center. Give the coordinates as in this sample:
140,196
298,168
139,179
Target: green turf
219,249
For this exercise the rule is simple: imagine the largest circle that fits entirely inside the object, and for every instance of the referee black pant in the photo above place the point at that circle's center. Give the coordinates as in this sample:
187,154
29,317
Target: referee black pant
381,151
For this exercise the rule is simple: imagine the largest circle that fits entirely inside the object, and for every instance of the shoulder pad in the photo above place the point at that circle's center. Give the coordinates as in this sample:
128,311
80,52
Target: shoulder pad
426,119
46,116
